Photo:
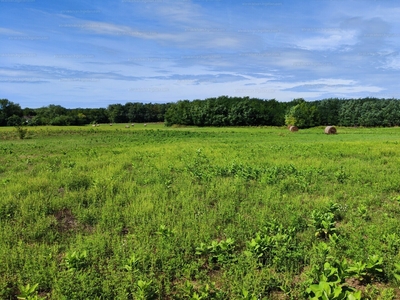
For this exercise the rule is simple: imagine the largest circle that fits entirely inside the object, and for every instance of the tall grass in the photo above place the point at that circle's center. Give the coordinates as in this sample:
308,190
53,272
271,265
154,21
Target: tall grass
179,213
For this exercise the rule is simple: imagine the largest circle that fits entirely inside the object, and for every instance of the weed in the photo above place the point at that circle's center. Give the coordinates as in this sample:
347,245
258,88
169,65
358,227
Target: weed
218,251
341,176
145,290
164,231
132,264
75,261
324,223
369,271
21,132
363,212
332,286
28,292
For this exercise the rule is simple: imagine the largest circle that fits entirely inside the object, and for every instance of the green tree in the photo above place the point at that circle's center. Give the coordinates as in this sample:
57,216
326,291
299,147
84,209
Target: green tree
179,113
9,109
14,120
116,113
302,115
328,110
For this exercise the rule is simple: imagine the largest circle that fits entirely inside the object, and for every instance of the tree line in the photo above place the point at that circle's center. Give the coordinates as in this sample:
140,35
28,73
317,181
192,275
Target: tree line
11,114
219,111
235,111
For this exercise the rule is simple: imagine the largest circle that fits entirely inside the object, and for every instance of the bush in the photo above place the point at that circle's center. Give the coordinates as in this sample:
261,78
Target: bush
21,132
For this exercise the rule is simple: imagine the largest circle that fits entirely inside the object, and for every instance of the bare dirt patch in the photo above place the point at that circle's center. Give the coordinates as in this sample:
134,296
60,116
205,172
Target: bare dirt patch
65,220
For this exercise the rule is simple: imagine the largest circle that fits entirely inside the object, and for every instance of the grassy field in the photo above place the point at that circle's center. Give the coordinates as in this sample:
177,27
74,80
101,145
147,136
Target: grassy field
199,213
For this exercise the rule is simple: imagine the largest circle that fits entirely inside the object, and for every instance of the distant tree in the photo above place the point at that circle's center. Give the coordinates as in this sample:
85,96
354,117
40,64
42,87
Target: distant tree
29,112
391,113
136,112
14,120
96,115
179,113
302,115
328,110
241,114
116,113
7,110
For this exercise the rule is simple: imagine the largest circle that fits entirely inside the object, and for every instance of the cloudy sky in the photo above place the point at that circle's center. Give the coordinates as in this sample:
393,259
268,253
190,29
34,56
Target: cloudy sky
91,54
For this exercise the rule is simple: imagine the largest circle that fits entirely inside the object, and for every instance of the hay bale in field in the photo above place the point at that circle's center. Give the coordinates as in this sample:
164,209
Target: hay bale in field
293,128
110,124
127,126
330,130
144,125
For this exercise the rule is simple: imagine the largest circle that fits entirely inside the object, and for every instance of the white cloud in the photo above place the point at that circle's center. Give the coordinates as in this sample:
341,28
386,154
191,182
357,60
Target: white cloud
7,31
329,41
392,63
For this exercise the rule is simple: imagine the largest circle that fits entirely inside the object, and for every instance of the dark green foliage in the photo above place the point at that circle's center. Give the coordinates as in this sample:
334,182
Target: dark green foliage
226,111
218,111
236,111
10,113
302,115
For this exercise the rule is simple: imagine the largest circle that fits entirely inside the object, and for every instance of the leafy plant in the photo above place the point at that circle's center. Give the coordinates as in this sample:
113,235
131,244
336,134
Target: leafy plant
199,168
248,296
208,291
21,132
396,272
219,251
145,290
28,292
391,243
332,286
164,231
366,272
341,176
260,247
363,212
275,245
132,264
76,260
324,223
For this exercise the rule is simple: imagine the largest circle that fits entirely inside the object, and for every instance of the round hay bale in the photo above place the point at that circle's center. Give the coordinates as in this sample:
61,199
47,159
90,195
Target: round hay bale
330,130
293,128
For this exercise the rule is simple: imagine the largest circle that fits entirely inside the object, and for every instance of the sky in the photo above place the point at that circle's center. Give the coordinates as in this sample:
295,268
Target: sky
94,53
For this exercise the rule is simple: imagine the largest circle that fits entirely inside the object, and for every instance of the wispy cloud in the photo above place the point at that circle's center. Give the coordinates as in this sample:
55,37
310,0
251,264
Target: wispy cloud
6,31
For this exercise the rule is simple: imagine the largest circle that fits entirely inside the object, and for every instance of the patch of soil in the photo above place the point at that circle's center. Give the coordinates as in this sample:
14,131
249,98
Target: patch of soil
65,220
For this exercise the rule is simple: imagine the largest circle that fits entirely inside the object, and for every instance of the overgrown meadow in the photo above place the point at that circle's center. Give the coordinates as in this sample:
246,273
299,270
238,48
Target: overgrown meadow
199,213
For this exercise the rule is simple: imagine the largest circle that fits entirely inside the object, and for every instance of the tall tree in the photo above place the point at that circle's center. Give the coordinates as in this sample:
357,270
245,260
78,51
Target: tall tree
302,115
9,109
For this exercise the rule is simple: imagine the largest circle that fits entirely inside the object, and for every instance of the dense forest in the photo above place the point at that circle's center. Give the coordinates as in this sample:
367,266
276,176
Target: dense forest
11,114
220,111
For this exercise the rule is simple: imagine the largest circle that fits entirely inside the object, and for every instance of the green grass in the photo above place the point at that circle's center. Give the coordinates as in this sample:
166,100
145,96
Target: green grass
215,213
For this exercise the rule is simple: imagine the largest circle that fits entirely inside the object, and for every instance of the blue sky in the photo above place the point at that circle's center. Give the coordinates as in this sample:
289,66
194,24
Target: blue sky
91,54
